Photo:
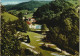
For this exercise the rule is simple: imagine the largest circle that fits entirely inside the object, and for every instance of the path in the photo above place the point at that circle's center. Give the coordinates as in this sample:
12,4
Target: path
58,49
36,43
27,45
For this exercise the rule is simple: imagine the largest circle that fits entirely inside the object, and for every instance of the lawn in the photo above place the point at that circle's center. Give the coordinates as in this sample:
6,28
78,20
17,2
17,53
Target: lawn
8,16
30,15
35,43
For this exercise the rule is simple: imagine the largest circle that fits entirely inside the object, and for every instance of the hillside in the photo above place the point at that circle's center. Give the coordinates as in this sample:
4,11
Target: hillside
26,5
8,16
9,6
62,19
74,2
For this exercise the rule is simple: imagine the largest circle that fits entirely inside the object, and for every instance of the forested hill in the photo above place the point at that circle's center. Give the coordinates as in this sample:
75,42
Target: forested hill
61,17
26,5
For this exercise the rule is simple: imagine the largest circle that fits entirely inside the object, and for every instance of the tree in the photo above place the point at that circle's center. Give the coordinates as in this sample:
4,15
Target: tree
3,9
62,23
20,15
25,27
9,43
28,39
21,25
44,28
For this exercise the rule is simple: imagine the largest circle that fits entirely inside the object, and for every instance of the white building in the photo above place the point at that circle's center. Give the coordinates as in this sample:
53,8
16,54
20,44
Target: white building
35,26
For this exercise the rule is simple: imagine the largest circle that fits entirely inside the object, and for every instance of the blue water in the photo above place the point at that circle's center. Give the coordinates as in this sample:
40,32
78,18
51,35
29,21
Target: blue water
38,26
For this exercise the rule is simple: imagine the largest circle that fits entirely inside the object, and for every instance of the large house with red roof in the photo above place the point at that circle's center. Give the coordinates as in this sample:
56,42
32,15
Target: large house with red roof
29,20
31,23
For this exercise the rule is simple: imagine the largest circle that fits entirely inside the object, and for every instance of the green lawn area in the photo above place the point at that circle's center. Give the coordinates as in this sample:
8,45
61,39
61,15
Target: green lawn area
36,44
8,16
29,15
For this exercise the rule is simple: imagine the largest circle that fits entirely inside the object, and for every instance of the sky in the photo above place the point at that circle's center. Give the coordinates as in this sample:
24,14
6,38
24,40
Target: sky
6,2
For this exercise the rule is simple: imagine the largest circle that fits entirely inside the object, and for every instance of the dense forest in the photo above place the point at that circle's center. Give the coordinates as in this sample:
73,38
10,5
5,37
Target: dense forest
62,19
26,5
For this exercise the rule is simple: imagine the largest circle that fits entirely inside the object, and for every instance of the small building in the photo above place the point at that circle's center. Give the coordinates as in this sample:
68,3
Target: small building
29,20
31,23
36,26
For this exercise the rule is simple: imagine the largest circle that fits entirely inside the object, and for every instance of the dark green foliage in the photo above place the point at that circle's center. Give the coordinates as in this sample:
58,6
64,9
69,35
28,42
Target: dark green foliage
62,19
51,10
20,15
26,52
26,27
43,28
3,9
28,40
21,25
10,45
9,6
26,5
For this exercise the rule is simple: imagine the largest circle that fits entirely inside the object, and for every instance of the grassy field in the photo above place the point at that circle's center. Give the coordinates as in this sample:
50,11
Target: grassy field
8,16
29,15
37,45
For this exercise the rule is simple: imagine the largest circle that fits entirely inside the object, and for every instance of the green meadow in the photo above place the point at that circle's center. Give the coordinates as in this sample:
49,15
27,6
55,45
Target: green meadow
8,16
33,42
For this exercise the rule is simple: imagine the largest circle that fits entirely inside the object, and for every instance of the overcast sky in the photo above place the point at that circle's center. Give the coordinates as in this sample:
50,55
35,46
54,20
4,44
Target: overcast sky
5,2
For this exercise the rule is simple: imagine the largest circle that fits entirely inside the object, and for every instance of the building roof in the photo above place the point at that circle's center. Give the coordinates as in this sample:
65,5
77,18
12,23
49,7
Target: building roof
28,22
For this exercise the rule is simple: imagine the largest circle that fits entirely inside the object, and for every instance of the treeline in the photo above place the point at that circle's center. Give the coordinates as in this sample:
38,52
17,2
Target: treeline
26,5
62,19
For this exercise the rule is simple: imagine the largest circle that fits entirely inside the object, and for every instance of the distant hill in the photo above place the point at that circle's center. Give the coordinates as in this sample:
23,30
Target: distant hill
8,7
8,16
26,5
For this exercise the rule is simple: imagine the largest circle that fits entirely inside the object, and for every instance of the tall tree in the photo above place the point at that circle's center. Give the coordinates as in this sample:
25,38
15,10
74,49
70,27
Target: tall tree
21,24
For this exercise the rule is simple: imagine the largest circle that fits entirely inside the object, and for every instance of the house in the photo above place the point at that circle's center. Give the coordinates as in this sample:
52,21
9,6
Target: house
36,26
31,23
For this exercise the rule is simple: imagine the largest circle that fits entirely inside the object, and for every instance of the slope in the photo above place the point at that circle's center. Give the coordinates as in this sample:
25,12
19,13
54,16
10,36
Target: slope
8,16
26,5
